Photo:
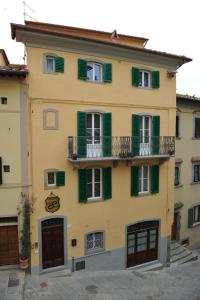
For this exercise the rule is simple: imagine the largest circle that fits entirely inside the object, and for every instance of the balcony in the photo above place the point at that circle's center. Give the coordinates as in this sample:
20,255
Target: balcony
81,148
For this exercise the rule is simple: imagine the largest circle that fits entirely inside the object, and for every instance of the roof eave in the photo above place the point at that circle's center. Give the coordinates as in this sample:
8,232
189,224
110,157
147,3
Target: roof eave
180,59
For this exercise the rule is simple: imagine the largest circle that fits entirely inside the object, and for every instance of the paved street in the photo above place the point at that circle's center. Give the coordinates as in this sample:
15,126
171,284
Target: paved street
182,282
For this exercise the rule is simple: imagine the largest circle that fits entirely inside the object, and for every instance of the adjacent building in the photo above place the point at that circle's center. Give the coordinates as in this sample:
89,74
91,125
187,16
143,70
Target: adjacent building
187,172
102,144
13,154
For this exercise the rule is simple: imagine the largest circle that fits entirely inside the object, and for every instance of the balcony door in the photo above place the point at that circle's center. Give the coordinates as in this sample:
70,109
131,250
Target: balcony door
145,135
94,135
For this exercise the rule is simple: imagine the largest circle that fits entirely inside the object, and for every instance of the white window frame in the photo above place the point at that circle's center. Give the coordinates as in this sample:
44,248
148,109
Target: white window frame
93,64
196,214
93,185
141,83
141,179
51,184
193,173
95,149
45,57
93,127
94,249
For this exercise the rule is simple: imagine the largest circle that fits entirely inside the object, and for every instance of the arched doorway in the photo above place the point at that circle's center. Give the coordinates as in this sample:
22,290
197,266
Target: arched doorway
52,242
142,243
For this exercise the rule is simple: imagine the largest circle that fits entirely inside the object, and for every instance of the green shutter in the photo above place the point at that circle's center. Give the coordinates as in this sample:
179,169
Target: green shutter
135,76
59,64
134,181
135,134
107,183
1,170
82,69
156,135
81,133
60,178
155,79
155,179
107,73
190,217
107,134
82,185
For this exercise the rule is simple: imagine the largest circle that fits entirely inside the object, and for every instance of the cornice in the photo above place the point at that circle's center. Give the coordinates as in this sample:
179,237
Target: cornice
135,55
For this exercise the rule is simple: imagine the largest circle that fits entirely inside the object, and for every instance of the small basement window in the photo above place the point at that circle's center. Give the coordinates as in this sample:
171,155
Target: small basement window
4,100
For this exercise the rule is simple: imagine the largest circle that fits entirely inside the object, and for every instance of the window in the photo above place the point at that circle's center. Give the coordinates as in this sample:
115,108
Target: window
94,71
196,214
177,125
50,64
177,175
145,79
196,172
51,178
6,168
95,242
54,178
4,100
53,64
94,183
144,179
197,127
193,216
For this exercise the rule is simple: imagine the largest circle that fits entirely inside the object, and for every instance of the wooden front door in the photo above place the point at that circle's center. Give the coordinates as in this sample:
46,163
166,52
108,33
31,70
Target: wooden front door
52,243
9,245
174,227
142,243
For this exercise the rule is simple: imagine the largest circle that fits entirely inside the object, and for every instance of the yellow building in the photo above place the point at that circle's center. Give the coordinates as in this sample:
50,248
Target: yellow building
187,172
102,115
13,154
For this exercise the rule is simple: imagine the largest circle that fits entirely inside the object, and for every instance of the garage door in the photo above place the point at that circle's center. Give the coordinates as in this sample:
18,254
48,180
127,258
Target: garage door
9,247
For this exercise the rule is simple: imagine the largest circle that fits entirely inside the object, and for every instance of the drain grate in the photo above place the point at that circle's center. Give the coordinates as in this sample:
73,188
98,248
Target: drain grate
13,279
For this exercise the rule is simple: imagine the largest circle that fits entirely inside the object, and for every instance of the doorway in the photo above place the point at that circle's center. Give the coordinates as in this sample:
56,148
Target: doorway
52,243
142,243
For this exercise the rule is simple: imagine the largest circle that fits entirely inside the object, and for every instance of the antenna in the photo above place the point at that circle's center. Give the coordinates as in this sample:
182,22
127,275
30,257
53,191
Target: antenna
25,14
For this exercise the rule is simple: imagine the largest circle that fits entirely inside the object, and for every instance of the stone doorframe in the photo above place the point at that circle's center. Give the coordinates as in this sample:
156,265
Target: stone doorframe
40,240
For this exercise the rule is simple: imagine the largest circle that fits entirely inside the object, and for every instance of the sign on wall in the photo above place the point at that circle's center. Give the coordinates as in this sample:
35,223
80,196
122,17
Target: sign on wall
52,203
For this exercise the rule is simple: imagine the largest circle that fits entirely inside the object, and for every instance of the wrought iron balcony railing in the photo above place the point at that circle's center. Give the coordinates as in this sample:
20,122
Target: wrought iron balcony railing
122,147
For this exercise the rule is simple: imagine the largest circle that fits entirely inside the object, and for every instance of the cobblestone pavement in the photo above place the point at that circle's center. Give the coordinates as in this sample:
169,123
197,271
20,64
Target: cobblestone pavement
178,283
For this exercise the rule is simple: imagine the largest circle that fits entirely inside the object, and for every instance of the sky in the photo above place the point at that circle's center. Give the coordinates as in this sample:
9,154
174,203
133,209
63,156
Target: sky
170,25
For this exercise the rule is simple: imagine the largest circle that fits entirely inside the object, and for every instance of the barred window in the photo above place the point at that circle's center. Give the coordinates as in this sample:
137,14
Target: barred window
95,242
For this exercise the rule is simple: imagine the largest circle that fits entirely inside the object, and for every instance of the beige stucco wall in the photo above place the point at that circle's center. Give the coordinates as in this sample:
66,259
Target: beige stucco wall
2,61
10,149
186,148
67,94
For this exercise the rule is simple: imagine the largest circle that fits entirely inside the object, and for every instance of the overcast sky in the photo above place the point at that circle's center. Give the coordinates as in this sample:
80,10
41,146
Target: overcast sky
170,25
